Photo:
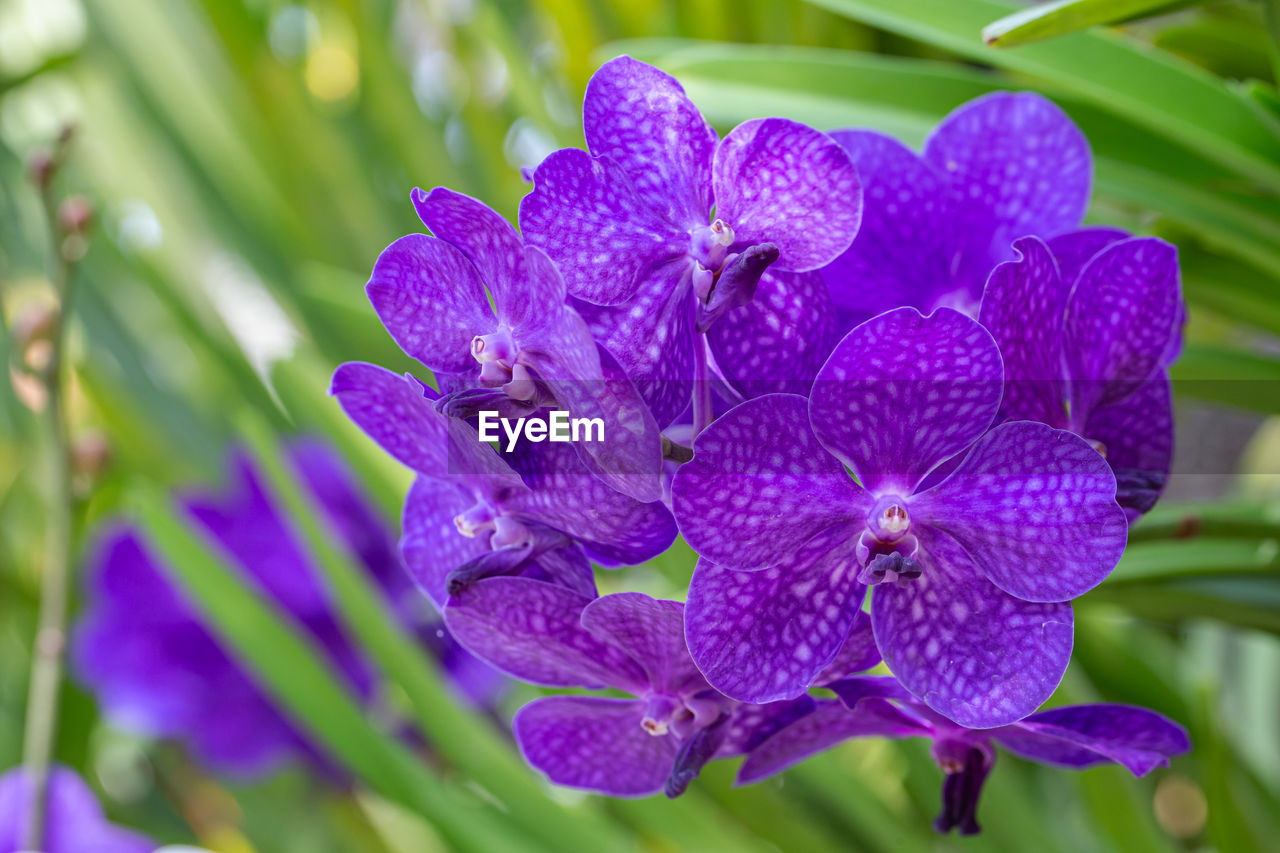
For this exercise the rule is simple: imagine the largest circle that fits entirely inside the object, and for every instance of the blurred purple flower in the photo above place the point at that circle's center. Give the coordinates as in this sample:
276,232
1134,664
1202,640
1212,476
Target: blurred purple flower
1087,324
470,514
975,572
143,649
1071,737
935,224
527,351
74,822
663,232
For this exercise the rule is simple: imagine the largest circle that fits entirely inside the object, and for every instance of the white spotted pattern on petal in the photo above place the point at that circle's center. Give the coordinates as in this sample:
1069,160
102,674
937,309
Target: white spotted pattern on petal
760,485
971,652
1018,156
532,630
584,213
430,298
902,392
651,631
1035,508
652,337
564,495
776,342
1124,319
596,744
764,636
782,182
1024,307
641,118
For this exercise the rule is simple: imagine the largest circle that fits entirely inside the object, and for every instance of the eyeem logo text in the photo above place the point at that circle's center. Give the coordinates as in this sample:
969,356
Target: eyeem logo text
557,426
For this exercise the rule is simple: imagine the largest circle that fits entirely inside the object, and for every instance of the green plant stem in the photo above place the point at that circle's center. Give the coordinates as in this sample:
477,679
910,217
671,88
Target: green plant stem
50,640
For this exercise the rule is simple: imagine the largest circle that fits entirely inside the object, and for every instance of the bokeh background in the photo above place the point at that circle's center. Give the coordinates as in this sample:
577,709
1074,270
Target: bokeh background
248,159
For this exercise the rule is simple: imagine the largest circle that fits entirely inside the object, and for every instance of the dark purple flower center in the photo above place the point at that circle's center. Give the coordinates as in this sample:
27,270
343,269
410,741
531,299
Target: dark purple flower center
886,549
500,367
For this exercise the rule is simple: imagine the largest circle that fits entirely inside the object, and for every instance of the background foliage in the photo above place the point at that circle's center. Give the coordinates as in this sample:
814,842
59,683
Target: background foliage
249,158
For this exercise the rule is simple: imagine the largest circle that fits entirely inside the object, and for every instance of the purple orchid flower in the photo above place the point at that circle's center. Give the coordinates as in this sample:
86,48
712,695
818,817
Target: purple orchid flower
1087,324
974,573
470,514
527,351
1072,737
934,225
74,822
659,739
670,238
144,651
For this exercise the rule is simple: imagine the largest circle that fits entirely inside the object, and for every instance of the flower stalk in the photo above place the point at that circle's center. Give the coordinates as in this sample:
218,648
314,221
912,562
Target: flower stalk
67,223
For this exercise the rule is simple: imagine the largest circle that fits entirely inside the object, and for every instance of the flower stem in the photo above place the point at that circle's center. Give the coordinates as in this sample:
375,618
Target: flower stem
50,640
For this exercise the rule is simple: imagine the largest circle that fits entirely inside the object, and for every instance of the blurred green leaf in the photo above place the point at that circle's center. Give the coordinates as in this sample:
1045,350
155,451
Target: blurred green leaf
1048,20
461,734
1166,95
288,665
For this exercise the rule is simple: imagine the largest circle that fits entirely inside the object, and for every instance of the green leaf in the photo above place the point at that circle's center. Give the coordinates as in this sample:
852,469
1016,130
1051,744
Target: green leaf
460,734
1228,375
1128,78
288,665
1048,20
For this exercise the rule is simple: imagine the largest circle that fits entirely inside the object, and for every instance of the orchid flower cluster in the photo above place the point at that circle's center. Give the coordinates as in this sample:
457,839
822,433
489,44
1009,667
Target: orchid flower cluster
924,405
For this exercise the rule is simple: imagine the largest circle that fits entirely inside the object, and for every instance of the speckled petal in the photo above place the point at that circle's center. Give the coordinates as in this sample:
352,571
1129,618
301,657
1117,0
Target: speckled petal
902,392
1137,437
587,382
430,298
532,630
776,342
567,497
1023,307
829,724
1020,157
760,485
652,632
751,725
431,545
1035,508
970,651
522,293
652,337
1125,318
909,235
782,182
585,214
641,118
392,410
1073,249
1081,735
763,636
594,743
858,654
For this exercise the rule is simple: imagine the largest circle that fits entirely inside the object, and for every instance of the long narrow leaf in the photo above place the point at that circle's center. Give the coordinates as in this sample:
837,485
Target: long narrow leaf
289,667
459,734
1165,94
1048,20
